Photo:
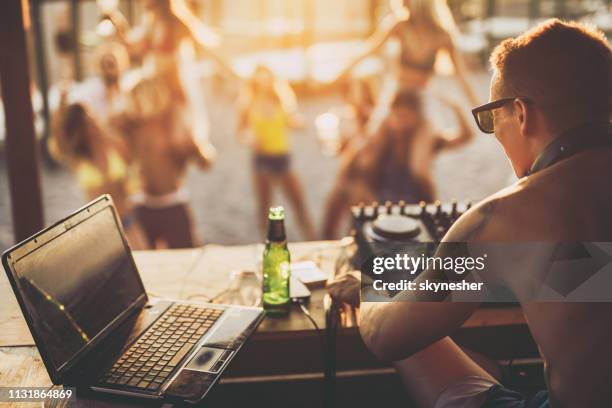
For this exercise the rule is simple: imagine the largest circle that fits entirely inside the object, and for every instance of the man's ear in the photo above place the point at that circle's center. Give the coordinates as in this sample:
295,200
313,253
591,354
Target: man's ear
523,116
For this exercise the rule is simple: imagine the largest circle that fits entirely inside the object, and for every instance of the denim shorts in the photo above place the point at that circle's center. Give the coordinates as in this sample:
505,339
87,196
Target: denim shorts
276,165
478,392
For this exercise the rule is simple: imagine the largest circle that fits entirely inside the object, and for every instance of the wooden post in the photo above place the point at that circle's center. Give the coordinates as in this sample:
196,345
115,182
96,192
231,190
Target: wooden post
561,8
490,8
75,21
41,64
21,148
533,10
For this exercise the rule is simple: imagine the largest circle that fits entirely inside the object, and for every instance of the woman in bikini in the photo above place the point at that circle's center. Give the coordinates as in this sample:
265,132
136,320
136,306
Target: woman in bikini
424,29
99,161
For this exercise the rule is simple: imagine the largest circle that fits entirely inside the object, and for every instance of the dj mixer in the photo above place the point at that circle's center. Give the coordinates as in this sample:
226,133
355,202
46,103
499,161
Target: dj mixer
401,228
406,222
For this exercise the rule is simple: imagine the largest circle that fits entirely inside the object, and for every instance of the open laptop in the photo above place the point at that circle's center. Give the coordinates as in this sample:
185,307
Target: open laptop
94,325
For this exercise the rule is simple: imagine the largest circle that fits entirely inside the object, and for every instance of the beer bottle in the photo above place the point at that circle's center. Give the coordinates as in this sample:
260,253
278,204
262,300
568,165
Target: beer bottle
276,271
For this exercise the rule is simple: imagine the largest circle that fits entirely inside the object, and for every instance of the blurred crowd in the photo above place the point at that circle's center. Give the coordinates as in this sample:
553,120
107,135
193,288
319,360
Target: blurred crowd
134,139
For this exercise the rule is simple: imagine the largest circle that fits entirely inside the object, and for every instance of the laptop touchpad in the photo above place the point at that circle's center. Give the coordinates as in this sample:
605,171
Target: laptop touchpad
232,332
209,359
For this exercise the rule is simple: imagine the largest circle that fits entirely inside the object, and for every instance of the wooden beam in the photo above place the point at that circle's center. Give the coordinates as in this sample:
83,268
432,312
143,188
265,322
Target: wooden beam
41,63
75,21
21,147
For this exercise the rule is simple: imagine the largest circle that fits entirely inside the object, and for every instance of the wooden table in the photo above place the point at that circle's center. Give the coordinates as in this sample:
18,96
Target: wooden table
281,348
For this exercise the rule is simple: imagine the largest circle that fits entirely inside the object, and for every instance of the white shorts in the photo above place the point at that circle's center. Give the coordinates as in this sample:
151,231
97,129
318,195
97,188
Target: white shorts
470,392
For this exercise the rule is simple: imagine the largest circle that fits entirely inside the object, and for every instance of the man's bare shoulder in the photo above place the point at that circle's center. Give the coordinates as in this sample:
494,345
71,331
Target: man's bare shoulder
486,220
565,201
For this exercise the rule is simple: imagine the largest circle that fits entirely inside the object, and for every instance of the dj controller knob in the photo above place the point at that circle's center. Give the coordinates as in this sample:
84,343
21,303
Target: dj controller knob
438,205
469,205
358,211
423,206
388,207
402,207
454,209
440,232
375,206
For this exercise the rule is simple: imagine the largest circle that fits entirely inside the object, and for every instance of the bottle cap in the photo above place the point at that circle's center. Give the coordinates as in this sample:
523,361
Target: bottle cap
276,213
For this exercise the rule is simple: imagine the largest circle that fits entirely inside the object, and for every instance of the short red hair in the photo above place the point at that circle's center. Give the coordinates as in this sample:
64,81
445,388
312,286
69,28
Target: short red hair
564,66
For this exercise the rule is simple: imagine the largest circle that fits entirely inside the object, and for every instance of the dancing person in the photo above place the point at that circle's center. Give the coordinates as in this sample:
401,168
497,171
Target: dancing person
424,29
550,109
99,161
165,129
359,102
104,94
162,41
163,146
396,163
267,111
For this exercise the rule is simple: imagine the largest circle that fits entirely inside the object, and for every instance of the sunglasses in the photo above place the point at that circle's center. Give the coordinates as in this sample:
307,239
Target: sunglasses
483,114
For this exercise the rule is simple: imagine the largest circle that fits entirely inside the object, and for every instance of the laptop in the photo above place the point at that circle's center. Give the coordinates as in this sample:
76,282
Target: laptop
95,327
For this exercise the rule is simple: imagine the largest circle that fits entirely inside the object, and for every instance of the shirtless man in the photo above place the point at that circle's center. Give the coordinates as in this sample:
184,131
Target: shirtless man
550,110
163,146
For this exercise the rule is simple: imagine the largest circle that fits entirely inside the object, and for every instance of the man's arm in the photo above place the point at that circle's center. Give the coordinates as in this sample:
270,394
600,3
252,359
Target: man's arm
396,330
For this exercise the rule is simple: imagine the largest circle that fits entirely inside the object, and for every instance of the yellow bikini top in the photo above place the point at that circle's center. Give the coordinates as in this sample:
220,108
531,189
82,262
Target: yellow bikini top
91,178
271,136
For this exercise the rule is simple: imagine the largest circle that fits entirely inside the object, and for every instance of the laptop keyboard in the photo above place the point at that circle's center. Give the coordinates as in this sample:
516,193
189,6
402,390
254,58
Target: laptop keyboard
153,357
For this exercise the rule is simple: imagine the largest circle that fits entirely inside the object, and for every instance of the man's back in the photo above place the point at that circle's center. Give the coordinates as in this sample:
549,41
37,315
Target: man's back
570,201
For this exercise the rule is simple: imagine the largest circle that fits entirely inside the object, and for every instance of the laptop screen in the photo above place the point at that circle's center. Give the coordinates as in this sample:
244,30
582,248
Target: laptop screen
77,284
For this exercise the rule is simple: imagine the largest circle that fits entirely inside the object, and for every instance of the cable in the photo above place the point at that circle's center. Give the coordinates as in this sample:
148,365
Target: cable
216,297
206,298
306,312
301,303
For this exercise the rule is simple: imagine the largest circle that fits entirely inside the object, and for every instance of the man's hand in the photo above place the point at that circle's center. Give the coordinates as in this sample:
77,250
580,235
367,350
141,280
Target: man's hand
345,288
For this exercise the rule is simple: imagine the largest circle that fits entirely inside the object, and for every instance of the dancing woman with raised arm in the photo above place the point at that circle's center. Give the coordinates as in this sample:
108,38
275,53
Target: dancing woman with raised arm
164,123
159,40
423,29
